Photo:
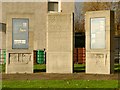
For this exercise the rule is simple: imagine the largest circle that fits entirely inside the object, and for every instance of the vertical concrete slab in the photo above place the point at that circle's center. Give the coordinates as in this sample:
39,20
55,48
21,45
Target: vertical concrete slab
100,60
59,43
0,11
19,60
2,36
40,10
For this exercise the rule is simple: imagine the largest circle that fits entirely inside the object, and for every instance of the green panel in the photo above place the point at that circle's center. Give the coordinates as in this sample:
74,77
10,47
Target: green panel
40,62
39,53
40,57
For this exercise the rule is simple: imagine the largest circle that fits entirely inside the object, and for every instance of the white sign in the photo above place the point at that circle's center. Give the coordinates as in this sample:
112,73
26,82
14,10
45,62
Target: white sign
97,33
19,41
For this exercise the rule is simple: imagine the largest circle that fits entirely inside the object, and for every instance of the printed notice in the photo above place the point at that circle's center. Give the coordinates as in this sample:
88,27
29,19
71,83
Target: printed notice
97,33
20,33
19,41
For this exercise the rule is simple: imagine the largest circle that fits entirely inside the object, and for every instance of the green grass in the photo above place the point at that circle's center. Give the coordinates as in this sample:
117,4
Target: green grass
61,84
117,67
39,68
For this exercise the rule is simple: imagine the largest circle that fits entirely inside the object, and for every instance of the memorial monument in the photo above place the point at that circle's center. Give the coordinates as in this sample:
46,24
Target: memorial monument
59,43
19,44
100,48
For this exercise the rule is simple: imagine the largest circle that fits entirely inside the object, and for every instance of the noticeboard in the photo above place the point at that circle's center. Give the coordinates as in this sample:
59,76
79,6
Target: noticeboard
20,33
97,33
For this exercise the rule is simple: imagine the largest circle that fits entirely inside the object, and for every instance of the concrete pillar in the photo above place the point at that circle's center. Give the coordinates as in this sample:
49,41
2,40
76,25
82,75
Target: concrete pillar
60,43
19,60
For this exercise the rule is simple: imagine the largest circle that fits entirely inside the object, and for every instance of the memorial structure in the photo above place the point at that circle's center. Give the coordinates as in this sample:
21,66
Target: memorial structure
26,30
19,44
60,43
100,48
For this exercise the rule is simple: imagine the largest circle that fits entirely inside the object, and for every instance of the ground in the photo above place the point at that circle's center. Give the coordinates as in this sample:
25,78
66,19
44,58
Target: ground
44,76
40,79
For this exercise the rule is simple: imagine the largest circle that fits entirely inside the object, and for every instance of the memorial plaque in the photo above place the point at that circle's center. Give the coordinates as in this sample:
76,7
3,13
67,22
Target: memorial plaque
20,33
97,33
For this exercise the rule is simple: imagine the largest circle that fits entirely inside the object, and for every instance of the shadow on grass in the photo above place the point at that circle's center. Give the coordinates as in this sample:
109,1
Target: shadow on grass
117,68
79,69
39,70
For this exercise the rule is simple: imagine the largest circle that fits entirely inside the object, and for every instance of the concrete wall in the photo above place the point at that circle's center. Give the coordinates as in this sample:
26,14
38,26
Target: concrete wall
37,13
0,12
2,36
100,61
19,67
60,43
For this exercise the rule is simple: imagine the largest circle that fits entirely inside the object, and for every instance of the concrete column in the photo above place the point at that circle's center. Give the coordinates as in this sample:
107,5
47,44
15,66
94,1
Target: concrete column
59,43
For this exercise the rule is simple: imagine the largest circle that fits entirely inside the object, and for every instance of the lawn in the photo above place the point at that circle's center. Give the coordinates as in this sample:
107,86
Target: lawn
61,83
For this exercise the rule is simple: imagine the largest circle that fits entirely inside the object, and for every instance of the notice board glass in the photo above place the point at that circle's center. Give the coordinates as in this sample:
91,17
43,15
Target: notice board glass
97,33
20,33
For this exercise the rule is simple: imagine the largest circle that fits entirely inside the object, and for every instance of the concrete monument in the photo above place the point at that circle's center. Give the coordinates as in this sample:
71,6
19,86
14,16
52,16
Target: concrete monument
19,43
99,27
59,43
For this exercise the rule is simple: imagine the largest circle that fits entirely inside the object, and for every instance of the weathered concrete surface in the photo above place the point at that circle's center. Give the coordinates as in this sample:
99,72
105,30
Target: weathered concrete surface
20,63
24,9
2,36
60,43
11,65
39,11
0,12
36,12
100,61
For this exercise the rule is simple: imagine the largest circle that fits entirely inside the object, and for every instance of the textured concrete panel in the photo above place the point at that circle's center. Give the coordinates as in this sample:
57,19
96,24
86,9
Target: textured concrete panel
20,63
100,61
59,62
19,60
39,11
37,14
2,36
60,43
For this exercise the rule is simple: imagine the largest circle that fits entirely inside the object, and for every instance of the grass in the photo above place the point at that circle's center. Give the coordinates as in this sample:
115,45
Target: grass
39,68
61,84
117,67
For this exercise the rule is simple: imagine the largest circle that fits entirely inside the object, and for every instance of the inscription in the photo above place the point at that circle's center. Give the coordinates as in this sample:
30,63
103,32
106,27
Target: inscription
97,55
20,58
